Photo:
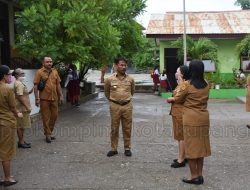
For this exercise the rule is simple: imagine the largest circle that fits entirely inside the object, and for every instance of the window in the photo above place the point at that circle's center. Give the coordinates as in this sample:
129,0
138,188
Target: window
209,66
245,63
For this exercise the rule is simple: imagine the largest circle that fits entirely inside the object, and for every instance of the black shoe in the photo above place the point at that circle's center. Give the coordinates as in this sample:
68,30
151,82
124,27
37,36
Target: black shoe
201,179
112,153
53,138
178,165
9,183
185,160
248,126
1,182
48,140
128,153
27,143
19,145
196,181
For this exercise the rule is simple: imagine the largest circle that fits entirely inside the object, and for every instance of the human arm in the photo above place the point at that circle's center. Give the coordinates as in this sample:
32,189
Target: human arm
12,104
107,88
59,89
37,78
132,87
180,95
36,93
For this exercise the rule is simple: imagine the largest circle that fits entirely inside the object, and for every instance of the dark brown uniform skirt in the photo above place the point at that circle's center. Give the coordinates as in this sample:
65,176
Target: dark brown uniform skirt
196,140
7,142
178,127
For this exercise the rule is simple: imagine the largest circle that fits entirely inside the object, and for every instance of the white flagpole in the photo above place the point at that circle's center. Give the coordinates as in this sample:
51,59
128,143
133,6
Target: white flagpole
184,34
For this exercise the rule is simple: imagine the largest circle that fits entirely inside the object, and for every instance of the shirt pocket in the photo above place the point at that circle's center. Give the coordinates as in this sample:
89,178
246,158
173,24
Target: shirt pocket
114,85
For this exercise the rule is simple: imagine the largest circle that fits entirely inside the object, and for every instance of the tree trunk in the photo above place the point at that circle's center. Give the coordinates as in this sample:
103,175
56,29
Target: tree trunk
103,70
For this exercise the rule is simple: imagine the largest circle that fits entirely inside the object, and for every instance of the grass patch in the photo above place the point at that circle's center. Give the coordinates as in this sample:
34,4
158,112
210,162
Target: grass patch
218,94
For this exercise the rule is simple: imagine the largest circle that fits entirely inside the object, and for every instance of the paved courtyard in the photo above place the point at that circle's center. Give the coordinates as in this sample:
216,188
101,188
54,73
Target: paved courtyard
77,159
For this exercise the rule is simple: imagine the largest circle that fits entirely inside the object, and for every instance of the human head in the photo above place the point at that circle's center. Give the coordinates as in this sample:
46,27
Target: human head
47,62
184,70
121,65
19,74
5,74
196,69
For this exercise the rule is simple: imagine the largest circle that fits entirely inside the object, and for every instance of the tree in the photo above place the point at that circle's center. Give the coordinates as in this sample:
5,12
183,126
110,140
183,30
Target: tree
90,33
244,47
245,4
147,56
201,49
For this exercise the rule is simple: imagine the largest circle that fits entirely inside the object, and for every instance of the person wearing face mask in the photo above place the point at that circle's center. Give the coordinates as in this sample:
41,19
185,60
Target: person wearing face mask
181,75
8,114
23,105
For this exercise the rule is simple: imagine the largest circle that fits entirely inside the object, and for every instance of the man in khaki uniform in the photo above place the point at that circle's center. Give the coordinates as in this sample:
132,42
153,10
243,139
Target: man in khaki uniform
119,89
48,98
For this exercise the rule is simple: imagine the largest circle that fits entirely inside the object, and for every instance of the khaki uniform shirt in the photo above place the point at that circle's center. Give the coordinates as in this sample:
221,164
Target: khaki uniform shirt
195,111
50,90
177,108
21,90
119,90
7,103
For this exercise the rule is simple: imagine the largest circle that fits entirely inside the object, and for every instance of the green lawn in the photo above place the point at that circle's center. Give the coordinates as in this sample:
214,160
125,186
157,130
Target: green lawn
218,94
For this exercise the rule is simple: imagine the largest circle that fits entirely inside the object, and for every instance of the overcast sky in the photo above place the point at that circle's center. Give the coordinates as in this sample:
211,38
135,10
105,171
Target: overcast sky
162,6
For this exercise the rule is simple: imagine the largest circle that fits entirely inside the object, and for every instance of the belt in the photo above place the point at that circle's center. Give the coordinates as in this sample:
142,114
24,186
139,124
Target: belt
120,103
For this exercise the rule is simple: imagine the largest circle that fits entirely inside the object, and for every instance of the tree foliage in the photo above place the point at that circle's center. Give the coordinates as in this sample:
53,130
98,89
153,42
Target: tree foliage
245,4
201,49
244,46
91,33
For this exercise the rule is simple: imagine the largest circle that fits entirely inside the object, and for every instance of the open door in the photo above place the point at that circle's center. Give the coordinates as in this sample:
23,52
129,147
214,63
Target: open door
171,64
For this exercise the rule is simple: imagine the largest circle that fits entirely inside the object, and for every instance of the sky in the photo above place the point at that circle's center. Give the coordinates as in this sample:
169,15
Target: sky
162,6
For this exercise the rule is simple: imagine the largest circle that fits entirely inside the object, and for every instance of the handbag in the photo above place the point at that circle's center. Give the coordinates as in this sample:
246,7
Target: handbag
42,83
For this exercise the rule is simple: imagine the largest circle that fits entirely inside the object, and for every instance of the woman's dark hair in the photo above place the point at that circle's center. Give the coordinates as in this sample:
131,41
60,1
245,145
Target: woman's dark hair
4,70
156,67
196,69
185,72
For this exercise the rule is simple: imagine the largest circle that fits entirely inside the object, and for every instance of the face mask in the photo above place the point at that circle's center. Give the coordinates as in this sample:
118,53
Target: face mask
21,79
176,76
8,79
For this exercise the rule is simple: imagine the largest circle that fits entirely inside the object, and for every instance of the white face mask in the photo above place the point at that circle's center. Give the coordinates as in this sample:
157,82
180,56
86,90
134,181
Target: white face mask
21,79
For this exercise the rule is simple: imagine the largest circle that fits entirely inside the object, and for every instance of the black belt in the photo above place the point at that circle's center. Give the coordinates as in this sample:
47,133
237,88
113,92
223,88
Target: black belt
120,103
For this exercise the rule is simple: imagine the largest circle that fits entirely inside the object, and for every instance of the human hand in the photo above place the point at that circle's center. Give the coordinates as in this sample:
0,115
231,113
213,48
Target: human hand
170,100
28,110
61,101
37,102
20,114
31,90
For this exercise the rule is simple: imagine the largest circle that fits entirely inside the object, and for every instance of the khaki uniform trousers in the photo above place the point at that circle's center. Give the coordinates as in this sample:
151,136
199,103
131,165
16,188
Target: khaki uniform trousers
123,114
49,112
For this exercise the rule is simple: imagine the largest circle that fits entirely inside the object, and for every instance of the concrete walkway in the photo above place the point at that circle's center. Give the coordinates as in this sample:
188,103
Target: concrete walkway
77,159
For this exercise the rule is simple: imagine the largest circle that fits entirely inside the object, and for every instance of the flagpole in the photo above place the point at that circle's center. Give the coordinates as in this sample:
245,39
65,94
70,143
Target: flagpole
184,34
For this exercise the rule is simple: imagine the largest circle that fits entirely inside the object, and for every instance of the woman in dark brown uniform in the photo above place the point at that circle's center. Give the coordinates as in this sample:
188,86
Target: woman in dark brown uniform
195,93
7,125
182,74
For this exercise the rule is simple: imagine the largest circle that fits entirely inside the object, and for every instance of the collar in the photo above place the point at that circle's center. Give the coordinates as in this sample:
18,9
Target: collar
45,70
124,75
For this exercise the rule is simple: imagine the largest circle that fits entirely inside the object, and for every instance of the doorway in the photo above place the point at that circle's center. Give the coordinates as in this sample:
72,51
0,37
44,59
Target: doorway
171,64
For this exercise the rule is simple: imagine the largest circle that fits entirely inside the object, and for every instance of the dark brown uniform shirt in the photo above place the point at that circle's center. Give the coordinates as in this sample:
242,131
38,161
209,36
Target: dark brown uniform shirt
50,90
119,90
